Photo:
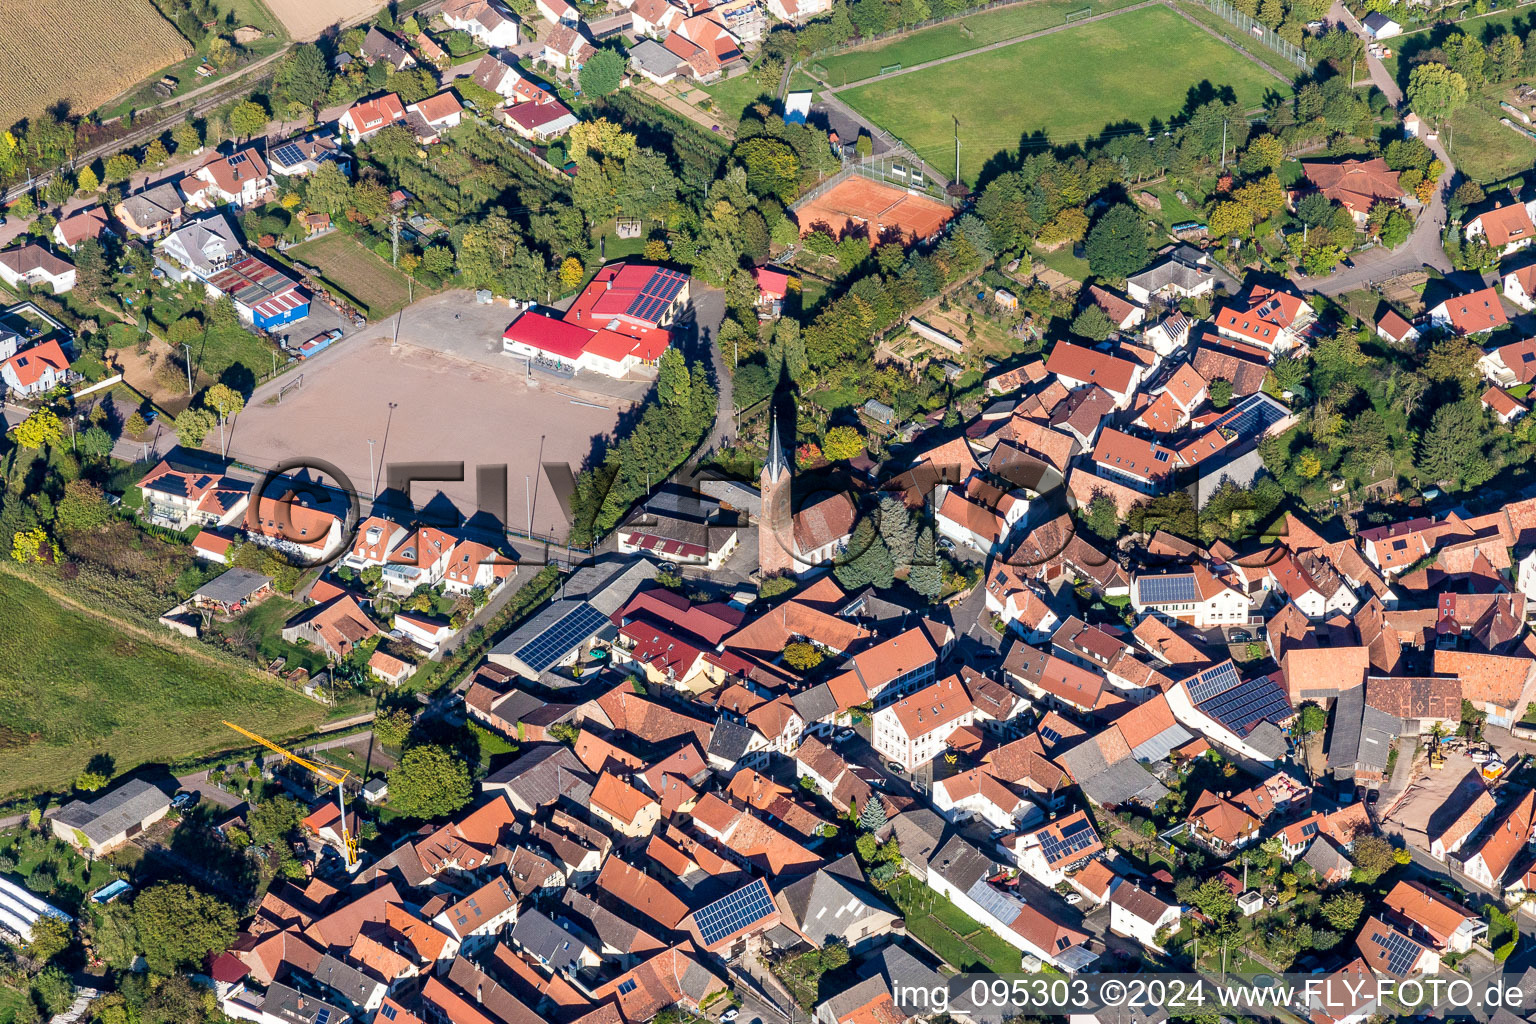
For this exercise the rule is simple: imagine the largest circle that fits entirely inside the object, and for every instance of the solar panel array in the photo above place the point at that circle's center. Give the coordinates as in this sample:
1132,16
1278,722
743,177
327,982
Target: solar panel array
1167,589
323,1017
1402,952
1214,681
1251,416
626,987
544,650
387,1011
1050,734
1242,707
1074,839
288,154
731,914
657,294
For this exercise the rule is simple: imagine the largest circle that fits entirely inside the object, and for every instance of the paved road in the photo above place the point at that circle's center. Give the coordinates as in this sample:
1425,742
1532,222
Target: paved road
1423,247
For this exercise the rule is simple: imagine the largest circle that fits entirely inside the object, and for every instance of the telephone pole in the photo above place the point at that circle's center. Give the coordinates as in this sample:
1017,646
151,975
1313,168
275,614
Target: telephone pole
394,235
1223,143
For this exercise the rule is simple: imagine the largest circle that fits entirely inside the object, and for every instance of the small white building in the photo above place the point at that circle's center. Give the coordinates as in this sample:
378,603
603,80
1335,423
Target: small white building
32,266
1378,26
490,23
1137,914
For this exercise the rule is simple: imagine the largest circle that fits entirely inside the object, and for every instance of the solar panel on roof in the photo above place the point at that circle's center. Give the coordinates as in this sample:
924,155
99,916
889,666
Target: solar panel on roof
657,295
556,642
1402,952
1167,589
1214,681
288,154
1050,734
626,987
1239,708
323,1017
733,913
387,1011
1074,839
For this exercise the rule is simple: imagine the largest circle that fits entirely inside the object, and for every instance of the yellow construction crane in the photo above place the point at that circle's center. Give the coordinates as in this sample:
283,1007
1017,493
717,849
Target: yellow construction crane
326,772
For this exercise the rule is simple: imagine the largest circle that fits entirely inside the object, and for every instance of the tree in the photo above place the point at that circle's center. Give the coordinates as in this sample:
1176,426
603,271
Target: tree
119,167
1092,323
1343,911
801,655
248,118
872,817
303,76
1453,442
602,74
193,425
1103,517
842,443
429,782
392,726
83,507
1435,91
226,402
1230,218
1374,857
274,822
1117,244
90,781
867,560
1312,718
328,188
96,442
1213,899
1221,393
926,576
178,925
674,386
136,426
773,168
40,430
571,272
50,937
155,154
87,181
897,529
656,251
187,137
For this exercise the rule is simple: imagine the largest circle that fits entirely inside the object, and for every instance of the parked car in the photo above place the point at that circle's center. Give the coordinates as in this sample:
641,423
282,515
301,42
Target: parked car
182,801
1073,898
1241,636
730,1015
894,768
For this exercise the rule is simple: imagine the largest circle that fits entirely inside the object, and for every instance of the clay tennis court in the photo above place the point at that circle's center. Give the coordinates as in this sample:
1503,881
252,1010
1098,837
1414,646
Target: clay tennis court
448,409
863,204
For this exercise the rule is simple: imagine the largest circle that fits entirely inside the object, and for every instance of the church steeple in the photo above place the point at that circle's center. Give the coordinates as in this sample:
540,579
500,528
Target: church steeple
775,518
776,467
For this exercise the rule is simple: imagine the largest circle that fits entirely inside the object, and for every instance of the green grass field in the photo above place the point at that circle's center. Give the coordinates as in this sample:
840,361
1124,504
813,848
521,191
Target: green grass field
1134,67
734,95
357,271
72,686
967,33
1482,148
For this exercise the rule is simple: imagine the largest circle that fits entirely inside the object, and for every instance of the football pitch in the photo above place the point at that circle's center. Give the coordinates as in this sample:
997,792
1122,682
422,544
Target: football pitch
1071,85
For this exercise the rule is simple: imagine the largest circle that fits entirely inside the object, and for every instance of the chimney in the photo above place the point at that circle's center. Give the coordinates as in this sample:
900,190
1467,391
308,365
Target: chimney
479,992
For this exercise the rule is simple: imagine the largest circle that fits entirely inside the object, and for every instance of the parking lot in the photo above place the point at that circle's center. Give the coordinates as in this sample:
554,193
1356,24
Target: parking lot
422,404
